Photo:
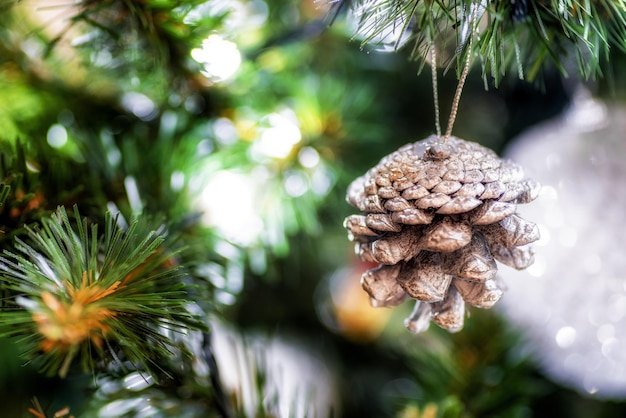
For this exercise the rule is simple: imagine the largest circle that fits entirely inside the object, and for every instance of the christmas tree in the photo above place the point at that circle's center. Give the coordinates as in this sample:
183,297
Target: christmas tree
173,187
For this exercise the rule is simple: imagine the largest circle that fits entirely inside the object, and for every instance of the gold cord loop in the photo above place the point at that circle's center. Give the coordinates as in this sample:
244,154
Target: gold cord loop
459,87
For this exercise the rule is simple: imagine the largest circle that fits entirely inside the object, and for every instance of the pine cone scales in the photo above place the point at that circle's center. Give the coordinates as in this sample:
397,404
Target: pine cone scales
437,216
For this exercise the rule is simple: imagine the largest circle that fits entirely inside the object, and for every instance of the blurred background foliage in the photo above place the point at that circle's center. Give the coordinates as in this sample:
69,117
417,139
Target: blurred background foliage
241,123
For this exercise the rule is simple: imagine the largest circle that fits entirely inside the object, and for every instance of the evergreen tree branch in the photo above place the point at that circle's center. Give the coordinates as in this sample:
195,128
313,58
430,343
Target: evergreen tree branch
77,293
522,35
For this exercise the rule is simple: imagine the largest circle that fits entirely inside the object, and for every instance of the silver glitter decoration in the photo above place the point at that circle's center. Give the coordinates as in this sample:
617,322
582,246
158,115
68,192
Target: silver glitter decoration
436,216
571,303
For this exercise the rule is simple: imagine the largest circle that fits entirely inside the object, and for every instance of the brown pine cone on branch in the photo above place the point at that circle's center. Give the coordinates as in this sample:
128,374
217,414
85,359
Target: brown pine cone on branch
437,216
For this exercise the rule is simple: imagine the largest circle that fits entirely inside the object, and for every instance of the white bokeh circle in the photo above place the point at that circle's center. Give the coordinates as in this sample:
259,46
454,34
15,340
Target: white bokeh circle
571,303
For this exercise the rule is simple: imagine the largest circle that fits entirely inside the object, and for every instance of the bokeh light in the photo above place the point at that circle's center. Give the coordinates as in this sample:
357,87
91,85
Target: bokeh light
230,203
219,57
571,303
278,139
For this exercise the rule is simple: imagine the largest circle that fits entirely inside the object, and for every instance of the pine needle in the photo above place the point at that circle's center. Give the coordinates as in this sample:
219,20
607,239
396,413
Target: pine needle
522,36
76,290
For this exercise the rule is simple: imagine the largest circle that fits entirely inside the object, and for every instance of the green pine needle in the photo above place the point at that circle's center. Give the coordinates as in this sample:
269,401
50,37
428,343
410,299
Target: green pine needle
522,35
81,295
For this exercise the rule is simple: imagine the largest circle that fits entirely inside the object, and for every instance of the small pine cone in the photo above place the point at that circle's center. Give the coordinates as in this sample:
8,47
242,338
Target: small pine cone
437,216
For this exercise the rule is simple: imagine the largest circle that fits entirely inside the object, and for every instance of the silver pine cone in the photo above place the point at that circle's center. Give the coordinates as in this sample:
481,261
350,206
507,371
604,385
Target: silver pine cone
437,216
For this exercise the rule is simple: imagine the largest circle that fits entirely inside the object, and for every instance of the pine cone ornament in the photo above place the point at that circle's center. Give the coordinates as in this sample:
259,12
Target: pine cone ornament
436,217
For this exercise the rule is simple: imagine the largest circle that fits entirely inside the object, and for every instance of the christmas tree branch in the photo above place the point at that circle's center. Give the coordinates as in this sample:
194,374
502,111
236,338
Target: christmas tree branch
522,35
77,293
145,45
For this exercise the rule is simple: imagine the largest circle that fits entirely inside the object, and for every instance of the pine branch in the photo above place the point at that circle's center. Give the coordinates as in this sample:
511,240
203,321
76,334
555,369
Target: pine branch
22,200
78,294
107,48
522,35
39,412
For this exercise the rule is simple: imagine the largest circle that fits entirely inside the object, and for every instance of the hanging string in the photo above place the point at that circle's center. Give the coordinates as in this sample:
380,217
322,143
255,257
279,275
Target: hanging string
459,87
433,67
